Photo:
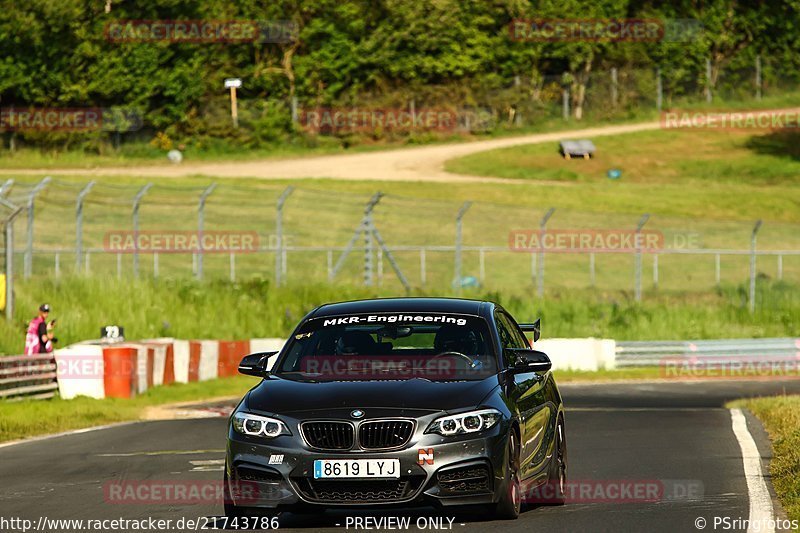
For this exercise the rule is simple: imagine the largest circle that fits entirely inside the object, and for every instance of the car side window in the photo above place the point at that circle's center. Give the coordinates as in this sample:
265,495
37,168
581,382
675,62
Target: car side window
520,338
507,338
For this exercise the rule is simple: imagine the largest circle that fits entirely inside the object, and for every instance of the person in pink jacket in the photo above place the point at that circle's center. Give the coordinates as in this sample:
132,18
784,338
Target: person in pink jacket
39,338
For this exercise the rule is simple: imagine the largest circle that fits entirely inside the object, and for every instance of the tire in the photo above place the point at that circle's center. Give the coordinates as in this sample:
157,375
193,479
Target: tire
558,466
510,504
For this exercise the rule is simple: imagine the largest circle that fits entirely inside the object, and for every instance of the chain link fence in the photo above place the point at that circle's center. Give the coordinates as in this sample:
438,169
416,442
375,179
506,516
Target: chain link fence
304,235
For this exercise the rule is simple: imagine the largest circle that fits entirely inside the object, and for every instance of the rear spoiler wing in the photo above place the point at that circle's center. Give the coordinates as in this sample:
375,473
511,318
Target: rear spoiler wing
535,327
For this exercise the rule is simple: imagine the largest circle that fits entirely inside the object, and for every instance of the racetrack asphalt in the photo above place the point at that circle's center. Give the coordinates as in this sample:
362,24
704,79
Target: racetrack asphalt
676,434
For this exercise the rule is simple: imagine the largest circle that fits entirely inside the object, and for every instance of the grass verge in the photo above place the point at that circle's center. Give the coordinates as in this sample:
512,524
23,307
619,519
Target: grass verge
781,418
189,309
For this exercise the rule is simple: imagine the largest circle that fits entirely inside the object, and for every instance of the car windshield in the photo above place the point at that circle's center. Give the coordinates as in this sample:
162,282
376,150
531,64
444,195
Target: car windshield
432,346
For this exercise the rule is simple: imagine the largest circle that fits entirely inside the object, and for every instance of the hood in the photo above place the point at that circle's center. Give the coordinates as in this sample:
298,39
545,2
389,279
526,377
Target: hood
278,395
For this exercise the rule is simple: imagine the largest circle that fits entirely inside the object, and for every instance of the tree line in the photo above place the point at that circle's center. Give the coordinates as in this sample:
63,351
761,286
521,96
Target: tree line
381,53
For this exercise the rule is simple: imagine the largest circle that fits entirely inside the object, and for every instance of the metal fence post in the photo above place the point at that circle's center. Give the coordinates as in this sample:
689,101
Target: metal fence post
279,261
368,235
9,269
638,274
655,271
136,201
540,262
201,206
565,104
368,267
780,267
708,81
423,274
752,302
6,187
591,269
459,217
716,269
28,265
79,224
9,246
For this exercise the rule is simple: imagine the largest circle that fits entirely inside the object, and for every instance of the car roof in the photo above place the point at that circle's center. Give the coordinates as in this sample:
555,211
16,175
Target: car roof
404,305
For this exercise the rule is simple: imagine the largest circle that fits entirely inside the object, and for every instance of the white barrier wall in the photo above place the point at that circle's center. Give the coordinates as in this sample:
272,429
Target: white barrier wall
141,369
209,357
579,354
180,354
80,371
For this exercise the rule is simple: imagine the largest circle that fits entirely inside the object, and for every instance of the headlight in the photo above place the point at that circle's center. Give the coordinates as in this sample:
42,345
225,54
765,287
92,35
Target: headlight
259,426
471,422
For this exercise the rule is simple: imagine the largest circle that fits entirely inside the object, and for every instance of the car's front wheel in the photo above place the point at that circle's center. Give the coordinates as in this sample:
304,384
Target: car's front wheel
508,508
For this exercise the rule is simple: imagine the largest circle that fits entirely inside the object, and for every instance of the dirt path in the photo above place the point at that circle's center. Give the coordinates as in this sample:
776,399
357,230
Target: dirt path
425,163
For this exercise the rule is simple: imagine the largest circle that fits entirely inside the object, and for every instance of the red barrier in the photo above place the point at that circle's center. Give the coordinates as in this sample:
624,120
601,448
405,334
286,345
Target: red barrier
169,365
119,375
151,365
230,353
195,348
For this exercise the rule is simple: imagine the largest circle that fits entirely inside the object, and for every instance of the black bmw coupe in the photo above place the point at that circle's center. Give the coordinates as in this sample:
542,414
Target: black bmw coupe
406,401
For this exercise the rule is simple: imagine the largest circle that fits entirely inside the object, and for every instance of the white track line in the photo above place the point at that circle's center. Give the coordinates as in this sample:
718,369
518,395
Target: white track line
760,500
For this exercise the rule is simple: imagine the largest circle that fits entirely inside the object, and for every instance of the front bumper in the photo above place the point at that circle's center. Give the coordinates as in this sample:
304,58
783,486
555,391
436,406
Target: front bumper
434,470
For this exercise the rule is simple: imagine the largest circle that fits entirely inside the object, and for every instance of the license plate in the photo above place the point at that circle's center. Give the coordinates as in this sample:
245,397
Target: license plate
356,468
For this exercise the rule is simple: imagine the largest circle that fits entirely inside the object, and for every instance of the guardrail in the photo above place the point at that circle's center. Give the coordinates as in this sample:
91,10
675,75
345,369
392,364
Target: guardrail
655,353
28,377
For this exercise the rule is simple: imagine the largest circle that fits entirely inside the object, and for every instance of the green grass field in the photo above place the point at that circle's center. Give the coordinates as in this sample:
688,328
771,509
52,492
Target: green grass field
781,418
223,310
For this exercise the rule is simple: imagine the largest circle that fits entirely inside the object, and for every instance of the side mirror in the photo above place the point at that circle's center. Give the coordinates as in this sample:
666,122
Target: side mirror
255,364
530,360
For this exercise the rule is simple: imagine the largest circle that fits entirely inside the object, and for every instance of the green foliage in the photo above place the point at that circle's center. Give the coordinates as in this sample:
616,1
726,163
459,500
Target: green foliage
446,53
